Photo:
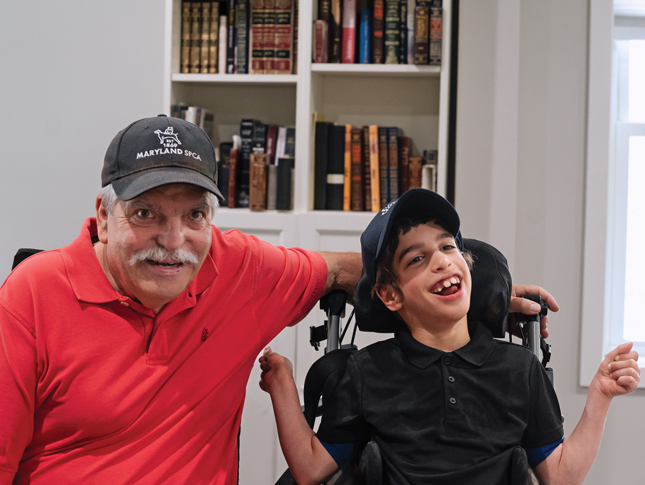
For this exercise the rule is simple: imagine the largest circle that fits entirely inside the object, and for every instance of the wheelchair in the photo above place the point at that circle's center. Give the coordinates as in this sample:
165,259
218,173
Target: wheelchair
490,301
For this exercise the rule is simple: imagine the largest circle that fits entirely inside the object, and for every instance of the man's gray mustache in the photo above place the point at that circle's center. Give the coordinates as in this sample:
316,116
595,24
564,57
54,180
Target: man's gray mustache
159,253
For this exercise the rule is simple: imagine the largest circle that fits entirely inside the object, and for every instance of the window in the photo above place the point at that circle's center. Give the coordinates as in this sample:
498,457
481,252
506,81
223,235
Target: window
614,264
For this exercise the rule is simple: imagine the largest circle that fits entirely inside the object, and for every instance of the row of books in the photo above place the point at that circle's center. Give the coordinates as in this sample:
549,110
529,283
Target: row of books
378,32
255,170
239,37
365,168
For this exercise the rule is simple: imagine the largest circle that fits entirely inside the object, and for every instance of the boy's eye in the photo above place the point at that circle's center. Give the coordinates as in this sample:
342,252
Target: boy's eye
415,260
448,247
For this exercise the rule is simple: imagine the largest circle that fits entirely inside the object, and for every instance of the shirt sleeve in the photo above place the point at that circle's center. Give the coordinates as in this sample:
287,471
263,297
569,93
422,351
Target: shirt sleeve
544,425
342,420
18,370
541,453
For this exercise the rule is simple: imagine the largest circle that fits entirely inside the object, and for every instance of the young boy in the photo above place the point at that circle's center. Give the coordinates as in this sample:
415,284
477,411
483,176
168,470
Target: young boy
445,402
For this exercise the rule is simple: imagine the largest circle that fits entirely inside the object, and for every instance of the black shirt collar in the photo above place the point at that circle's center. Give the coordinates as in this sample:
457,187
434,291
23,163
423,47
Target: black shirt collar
475,352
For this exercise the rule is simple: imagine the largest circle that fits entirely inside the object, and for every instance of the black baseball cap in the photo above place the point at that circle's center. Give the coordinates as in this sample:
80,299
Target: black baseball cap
374,238
158,151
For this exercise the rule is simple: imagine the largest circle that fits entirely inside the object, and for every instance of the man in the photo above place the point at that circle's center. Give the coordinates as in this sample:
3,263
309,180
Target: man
125,355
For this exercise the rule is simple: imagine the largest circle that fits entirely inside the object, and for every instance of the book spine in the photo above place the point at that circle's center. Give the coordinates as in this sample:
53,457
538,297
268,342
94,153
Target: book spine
414,172
223,31
392,36
378,32
290,143
349,31
347,172
269,37
367,185
335,31
375,169
195,37
356,171
393,162
283,198
435,33
283,36
205,39
242,17
272,186
294,56
186,17
246,134
410,22
384,165
259,137
272,136
335,168
321,161
213,41
403,31
233,177
230,38
258,182
324,10
429,177
404,161
320,41
365,50
421,36
257,36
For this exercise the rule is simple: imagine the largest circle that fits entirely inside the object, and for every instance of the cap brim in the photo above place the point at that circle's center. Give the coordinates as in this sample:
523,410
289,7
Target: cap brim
133,185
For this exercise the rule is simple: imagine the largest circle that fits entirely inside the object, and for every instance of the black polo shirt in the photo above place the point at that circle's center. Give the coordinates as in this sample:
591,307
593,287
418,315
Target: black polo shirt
444,417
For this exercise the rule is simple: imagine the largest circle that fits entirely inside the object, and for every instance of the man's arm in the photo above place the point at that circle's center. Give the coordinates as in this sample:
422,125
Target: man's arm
308,460
570,462
343,271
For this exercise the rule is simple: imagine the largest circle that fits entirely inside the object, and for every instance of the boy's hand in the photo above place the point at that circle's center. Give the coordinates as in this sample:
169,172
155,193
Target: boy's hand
619,373
528,307
275,367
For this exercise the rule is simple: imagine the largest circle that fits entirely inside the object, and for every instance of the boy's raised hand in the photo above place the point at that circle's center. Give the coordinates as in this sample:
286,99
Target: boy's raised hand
274,368
619,373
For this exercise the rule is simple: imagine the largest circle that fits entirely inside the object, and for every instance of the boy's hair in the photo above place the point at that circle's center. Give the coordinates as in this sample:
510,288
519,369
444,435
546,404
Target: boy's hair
404,223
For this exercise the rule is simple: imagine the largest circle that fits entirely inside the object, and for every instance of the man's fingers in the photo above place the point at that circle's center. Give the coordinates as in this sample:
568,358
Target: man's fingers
522,305
519,290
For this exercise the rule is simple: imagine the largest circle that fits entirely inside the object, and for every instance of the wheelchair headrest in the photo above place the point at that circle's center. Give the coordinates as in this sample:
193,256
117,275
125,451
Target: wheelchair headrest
489,301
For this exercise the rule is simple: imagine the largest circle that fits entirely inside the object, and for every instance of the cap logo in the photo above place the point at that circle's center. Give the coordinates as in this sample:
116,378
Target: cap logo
168,138
386,209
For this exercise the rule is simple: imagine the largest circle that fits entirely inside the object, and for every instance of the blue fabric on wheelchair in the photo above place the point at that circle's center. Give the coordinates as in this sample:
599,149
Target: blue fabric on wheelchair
341,452
541,453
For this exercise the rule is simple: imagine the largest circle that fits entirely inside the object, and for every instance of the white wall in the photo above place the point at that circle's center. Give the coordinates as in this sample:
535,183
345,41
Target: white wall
520,172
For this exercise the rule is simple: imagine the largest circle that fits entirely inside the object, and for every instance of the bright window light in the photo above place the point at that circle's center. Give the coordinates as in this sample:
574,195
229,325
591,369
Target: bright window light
637,81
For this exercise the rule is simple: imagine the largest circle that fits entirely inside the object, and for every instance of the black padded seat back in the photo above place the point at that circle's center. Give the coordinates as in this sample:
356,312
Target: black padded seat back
22,254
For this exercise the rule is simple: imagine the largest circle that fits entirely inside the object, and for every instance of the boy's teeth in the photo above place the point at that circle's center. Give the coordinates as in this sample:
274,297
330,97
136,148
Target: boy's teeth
447,283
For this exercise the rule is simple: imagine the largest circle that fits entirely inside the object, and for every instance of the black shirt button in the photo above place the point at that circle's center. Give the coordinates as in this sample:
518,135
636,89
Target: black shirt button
451,379
447,360
453,400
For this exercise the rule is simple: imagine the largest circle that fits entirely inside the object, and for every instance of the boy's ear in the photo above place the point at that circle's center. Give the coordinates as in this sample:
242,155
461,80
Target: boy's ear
389,297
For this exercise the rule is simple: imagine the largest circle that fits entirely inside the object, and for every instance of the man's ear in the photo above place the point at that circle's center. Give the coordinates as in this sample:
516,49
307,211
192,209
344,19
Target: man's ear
101,220
389,297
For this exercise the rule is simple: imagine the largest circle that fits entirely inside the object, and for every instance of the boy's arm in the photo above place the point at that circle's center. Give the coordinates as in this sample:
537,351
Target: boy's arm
570,462
308,460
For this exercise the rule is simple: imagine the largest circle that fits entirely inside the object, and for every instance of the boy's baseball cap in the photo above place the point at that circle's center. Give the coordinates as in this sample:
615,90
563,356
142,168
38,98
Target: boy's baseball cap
158,151
374,238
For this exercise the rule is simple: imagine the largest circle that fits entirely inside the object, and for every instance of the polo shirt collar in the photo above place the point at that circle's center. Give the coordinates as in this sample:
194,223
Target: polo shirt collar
88,280
475,352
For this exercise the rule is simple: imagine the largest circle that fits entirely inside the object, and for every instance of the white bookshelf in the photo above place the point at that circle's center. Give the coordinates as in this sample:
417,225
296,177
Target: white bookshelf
414,98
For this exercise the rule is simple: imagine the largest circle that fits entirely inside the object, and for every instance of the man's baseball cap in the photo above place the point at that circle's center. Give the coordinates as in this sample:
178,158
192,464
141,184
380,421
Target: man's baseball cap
421,201
158,151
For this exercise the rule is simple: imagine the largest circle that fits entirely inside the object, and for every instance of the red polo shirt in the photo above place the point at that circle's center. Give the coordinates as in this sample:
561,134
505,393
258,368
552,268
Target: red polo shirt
96,388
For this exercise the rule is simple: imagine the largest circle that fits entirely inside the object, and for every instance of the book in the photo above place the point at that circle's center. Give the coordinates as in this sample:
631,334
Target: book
258,187
242,17
195,37
367,186
231,38
284,184
272,135
213,40
294,56
272,186
349,31
347,169
375,169
393,162
320,41
324,10
414,172
356,173
206,121
221,44
259,139
403,32
429,177
392,29
234,172
404,162
421,35
281,143
269,37
365,35
257,36
335,31
283,36
378,32
223,169
246,136
290,142
384,165
410,24
205,39
321,160
186,18
434,57
336,168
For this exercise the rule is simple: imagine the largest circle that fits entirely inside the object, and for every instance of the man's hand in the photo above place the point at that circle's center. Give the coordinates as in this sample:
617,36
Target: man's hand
528,307
276,370
343,271
619,373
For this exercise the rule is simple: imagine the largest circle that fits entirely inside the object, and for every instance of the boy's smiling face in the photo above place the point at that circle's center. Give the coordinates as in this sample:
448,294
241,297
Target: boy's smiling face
433,278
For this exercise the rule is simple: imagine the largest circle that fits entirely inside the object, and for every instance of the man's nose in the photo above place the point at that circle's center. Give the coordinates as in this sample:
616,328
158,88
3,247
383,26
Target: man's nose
172,235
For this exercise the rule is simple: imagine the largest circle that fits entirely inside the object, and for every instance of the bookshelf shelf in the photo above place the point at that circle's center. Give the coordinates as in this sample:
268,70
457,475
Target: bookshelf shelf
235,78
376,69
